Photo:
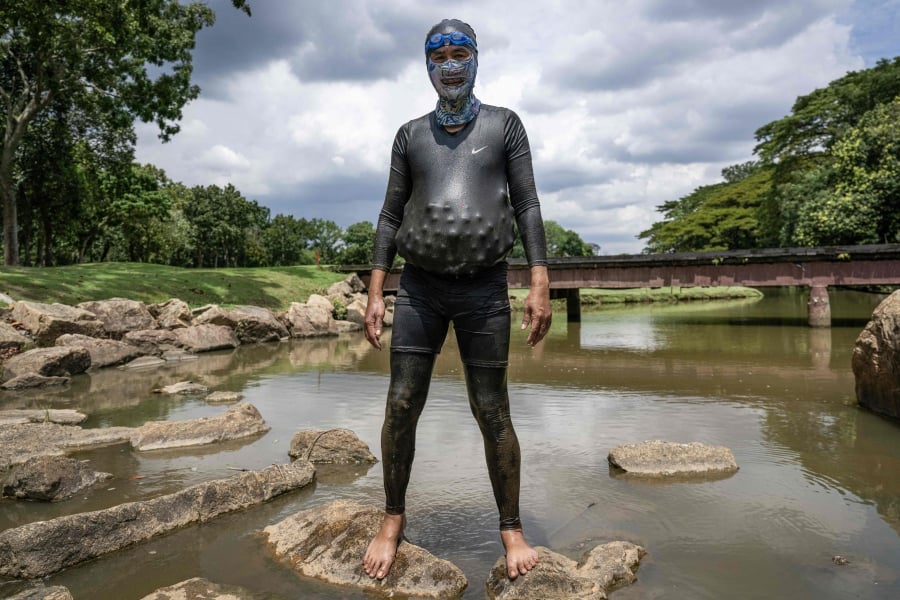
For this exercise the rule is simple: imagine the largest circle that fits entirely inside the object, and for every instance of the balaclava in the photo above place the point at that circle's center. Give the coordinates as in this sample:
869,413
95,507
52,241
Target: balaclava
456,104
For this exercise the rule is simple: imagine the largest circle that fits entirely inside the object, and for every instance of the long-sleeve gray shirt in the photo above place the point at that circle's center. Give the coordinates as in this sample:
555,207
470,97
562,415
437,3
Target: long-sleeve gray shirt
452,199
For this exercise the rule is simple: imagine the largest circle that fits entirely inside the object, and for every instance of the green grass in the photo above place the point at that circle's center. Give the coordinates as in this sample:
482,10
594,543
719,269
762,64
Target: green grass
274,288
595,297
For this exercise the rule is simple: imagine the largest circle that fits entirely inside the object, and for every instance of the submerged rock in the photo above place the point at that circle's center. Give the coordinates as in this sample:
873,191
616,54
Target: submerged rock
200,589
328,543
600,571
334,446
44,547
41,592
657,458
224,397
186,388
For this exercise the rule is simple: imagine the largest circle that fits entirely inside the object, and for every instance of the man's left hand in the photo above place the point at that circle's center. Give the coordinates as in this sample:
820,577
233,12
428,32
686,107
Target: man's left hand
538,313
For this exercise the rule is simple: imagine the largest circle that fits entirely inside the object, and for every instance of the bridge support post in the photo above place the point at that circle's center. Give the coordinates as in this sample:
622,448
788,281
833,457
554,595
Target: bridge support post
573,302
818,309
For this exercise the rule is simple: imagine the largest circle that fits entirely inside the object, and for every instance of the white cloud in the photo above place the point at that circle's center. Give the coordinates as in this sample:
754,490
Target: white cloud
627,105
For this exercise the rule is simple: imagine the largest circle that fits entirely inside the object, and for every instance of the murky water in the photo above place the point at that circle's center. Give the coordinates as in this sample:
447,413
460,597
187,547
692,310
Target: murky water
819,477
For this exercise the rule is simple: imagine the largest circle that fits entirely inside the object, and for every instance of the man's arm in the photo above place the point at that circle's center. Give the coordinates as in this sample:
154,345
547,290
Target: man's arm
375,308
537,305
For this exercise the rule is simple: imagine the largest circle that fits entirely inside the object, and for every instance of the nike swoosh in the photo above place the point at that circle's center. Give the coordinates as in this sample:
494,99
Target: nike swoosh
477,150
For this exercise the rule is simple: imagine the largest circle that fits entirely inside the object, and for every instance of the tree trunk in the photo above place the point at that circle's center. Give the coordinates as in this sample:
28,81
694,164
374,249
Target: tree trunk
10,216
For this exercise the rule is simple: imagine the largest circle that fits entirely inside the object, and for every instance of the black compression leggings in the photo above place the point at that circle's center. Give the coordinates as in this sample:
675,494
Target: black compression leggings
489,401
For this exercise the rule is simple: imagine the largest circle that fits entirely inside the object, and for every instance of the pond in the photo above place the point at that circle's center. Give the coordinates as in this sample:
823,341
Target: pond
818,476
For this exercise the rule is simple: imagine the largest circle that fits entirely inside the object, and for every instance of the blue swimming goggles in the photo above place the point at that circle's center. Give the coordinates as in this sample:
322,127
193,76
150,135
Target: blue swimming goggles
455,38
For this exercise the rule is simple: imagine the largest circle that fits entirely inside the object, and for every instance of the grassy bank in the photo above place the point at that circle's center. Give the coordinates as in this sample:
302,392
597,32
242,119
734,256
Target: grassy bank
592,297
274,288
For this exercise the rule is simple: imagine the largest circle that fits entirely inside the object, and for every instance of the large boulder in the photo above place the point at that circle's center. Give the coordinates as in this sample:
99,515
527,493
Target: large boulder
238,422
600,571
657,458
11,339
44,547
46,322
251,324
49,362
63,416
876,359
330,446
328,543
152,341
310,321
172,314
50,479
200,589
119,315
104,353
205,338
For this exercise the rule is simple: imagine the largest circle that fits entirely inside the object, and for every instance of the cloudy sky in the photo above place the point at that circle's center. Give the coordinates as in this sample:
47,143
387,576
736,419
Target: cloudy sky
627,103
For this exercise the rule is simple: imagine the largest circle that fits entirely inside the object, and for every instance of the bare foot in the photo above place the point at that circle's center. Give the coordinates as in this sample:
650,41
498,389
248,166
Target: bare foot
383,547
520,557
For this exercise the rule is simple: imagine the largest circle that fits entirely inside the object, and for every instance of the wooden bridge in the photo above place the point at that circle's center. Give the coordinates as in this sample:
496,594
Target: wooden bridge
816,268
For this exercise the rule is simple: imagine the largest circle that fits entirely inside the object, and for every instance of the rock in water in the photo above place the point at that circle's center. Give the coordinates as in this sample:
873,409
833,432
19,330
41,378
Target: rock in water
657,458
876,359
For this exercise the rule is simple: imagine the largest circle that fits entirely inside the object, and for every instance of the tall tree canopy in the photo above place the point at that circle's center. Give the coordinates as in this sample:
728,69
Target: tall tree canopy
829,174
126,60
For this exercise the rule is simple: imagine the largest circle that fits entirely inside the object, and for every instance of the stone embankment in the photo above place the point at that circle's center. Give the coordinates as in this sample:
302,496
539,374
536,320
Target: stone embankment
46,344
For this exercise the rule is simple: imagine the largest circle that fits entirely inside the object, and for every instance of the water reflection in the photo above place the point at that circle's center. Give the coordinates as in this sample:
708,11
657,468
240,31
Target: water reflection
817,478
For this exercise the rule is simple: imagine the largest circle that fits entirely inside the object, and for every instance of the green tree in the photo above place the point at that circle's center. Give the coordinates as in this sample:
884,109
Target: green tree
561,242
855,198
127,59
722,216
225,227
325,240
359,244
286,239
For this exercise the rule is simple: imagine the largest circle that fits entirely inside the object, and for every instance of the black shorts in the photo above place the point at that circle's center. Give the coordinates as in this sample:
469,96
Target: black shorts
477,305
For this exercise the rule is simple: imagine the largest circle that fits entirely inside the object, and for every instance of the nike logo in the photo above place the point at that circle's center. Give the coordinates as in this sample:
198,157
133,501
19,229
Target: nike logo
477,150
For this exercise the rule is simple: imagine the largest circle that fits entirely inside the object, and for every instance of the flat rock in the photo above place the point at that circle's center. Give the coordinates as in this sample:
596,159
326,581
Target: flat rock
600,571
328,543
657,458
33,380
18,443
238,422
186,388
331,446
50,479
145,362
64,416
41,548
178,356
200,589
224,397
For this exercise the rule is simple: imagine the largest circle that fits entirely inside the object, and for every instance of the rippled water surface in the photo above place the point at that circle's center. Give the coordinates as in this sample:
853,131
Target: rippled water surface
819,477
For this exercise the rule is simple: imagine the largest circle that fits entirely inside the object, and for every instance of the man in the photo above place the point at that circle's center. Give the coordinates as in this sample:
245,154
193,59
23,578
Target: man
460,185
